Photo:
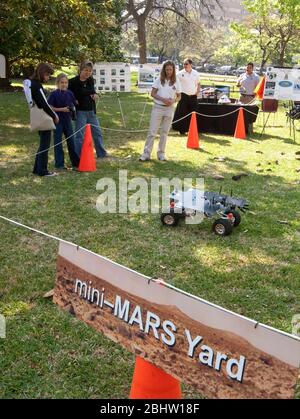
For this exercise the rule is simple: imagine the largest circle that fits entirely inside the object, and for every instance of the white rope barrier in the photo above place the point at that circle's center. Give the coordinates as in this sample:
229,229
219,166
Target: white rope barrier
33,229
226,114
122,130
253,113
174,122
121,109
133,131
217,116
181,119
144,110
55,145
139,131
50,236
142,116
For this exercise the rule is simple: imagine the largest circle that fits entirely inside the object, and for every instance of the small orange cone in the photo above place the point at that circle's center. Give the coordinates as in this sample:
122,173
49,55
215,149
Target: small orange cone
87,158
193,138
150,382
260,88
240,131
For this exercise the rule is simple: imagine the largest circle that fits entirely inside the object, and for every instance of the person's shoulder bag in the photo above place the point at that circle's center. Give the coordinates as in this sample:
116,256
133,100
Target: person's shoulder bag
40,120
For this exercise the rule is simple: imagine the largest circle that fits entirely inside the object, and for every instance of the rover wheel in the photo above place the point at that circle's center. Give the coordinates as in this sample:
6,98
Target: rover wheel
169,219
222,227
237,217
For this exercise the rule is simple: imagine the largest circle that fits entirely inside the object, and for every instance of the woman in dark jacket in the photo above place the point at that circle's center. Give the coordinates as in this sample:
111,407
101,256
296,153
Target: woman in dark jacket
83,89
41,75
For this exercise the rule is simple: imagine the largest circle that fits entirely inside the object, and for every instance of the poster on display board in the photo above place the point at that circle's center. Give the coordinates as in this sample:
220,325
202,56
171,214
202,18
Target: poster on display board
148,73
112,77
282,83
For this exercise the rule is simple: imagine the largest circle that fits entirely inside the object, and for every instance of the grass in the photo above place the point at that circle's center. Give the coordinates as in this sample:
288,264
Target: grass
254,272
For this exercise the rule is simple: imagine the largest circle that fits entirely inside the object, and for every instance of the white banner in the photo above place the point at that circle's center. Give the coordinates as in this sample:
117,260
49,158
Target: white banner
222,354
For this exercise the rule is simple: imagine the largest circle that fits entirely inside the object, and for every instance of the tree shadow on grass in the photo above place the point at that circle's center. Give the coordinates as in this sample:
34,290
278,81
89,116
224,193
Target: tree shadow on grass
266,137
207,138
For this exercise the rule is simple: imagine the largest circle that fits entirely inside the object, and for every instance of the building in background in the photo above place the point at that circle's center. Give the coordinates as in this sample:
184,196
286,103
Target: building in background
226,12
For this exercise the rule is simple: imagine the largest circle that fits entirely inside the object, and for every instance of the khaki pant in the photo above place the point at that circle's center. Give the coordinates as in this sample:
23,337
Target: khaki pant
245,99
161,118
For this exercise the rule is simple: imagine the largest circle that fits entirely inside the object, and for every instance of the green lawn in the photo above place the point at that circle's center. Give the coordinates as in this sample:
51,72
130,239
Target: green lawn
254,272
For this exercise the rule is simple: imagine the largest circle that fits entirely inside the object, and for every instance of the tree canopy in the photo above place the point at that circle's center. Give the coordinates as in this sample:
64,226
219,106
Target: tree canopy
139,12
59,31
170,36
272,26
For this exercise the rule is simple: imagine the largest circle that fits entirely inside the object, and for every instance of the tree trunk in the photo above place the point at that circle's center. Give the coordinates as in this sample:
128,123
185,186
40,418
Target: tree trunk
4,82
282,55
141,33
264,60
282,45
262,65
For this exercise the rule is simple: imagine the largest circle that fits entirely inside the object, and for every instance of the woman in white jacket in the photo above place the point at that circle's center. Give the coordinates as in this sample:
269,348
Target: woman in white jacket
166,90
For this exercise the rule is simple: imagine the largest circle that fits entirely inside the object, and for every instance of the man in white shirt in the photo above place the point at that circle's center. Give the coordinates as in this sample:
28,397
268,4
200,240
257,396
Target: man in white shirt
190,86
247,83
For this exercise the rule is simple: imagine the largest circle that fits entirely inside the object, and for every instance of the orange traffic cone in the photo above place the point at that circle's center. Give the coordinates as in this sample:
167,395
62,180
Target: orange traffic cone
150,382
87,158
193,138
240,131
260,88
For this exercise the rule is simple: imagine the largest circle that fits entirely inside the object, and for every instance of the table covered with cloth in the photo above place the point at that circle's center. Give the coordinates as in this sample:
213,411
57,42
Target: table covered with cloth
215,121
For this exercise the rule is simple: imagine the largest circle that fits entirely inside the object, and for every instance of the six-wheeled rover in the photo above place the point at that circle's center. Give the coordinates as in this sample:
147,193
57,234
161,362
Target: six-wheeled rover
192,203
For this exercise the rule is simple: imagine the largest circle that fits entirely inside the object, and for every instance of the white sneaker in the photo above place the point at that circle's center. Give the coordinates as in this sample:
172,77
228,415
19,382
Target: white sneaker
50,174
161,158
143,158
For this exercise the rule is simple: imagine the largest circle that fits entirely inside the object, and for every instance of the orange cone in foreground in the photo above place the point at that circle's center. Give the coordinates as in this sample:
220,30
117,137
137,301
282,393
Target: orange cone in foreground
193,138
240,131
87,158
150,382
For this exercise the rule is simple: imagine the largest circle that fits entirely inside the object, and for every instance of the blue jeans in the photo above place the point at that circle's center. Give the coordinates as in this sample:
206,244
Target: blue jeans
89,117
64,127
41,160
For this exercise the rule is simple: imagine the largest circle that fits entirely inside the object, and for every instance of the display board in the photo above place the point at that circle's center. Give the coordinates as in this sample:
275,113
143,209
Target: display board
2,67
282,84
220,353
148,73
112,77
